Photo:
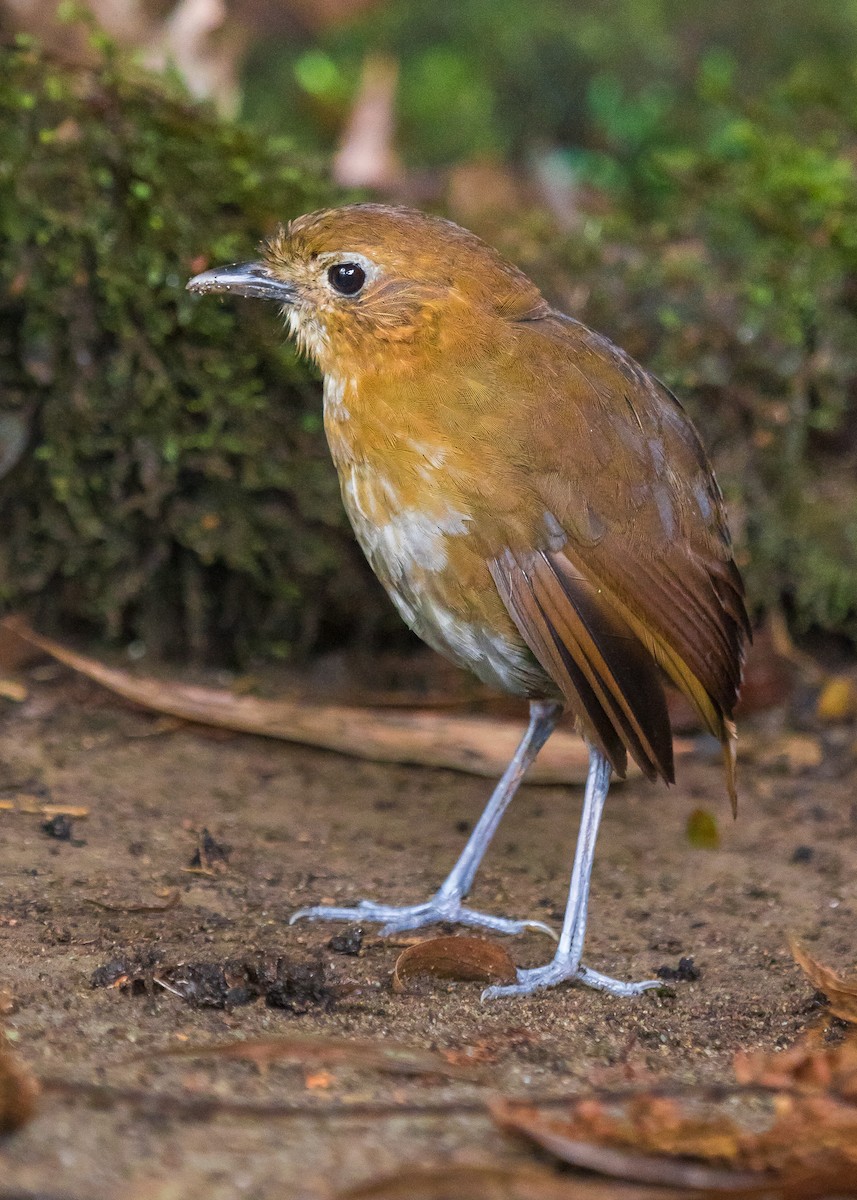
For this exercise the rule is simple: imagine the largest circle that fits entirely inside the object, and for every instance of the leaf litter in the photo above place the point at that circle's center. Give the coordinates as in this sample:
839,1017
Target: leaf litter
807,1142
840,992
467,959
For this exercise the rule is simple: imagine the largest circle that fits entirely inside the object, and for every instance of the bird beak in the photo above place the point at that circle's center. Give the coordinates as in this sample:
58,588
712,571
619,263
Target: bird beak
244,279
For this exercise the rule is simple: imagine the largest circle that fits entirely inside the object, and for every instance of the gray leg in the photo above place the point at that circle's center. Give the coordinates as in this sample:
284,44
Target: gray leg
566,962
446,903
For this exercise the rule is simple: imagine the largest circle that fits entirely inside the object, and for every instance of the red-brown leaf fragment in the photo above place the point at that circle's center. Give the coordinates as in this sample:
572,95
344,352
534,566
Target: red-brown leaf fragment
841,992
469,959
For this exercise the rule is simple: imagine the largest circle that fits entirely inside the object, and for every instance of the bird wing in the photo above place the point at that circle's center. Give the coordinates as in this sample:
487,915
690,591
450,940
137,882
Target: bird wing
632,568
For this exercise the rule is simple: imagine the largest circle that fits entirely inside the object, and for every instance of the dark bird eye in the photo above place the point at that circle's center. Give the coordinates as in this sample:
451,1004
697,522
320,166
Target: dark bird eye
346,278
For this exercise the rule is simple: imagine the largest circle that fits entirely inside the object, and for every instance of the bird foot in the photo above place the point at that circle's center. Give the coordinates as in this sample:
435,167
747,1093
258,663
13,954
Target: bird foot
437,909
561,970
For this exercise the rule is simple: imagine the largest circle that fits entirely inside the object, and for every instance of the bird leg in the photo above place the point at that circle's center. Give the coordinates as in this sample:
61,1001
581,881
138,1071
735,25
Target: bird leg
566,962
446,904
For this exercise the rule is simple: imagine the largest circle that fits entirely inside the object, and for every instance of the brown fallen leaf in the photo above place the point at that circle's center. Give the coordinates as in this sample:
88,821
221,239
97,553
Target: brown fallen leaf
469,959
476,745
493,1182
841,992
18,1091
389,1057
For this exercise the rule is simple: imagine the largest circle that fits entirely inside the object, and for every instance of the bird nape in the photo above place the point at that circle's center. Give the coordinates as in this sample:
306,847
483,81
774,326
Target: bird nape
538,507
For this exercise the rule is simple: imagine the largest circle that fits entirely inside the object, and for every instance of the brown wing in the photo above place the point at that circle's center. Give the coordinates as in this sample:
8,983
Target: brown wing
591,653
634,566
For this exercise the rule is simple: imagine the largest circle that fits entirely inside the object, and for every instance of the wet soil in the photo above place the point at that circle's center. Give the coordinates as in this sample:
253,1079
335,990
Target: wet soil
227,835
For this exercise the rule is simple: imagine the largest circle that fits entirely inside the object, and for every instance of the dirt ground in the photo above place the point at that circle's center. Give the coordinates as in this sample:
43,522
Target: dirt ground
304,825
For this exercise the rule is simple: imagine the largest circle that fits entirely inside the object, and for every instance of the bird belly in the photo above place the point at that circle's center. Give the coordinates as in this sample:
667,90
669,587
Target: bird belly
412,549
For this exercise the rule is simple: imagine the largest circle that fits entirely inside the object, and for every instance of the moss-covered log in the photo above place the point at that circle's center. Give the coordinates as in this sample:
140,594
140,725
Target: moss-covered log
165,476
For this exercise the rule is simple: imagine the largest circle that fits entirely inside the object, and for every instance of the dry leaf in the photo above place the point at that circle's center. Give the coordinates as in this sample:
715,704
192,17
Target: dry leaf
841,992
390,1057
18,1092
469,959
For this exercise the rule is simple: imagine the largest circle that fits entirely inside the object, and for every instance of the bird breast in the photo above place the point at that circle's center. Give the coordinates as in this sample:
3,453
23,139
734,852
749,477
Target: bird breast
415,534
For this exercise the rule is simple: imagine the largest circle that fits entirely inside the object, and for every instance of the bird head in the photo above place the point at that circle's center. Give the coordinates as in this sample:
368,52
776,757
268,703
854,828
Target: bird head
352,280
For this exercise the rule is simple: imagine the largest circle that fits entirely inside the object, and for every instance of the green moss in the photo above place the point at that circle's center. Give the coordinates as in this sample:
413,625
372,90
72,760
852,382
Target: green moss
170,478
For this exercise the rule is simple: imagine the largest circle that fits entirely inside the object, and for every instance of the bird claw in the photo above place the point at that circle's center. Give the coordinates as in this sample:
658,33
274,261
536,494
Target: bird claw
415,916
562,970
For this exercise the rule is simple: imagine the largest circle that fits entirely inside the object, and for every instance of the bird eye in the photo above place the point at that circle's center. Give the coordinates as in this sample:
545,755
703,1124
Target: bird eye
346,278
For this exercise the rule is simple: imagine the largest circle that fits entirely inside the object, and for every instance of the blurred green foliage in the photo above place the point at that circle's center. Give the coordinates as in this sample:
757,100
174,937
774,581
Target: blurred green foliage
738,286
173,484
498,77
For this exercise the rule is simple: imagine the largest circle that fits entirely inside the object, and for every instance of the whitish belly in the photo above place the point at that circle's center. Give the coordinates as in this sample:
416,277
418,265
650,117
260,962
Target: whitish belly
408,549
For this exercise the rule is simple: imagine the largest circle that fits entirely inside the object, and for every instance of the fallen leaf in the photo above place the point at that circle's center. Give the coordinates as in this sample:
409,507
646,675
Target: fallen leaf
476,745
387,1056
837,700
468,959
841,992
18,1092
702,832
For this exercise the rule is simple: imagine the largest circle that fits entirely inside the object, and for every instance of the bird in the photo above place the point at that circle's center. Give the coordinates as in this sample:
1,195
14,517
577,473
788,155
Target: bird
538,507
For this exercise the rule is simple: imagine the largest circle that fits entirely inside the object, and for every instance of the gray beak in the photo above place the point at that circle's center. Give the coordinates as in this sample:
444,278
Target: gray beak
244,279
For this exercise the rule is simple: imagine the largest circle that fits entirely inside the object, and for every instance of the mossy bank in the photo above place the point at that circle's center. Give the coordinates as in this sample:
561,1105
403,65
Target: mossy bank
164,472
